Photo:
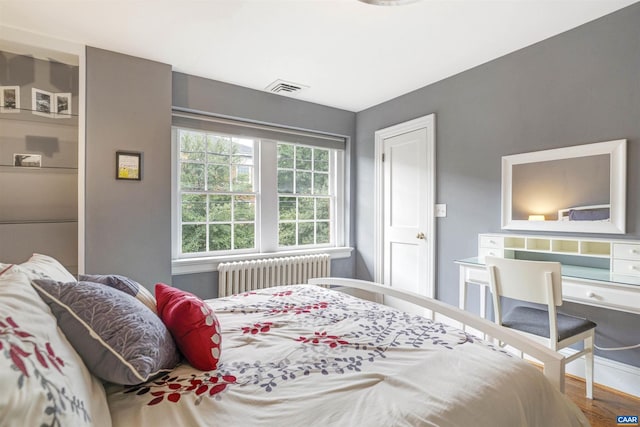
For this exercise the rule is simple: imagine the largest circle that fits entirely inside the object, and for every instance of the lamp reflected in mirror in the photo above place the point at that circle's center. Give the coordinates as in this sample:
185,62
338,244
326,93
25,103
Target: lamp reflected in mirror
536,217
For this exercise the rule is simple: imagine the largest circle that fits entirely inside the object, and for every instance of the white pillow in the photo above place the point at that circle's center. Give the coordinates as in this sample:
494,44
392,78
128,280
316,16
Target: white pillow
43,379
45,267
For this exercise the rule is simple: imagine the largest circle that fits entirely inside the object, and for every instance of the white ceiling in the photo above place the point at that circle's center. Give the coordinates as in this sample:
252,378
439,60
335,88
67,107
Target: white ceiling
351,55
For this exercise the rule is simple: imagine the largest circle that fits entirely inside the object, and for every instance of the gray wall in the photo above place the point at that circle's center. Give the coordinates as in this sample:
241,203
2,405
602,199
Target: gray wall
579,87
128,223
223,99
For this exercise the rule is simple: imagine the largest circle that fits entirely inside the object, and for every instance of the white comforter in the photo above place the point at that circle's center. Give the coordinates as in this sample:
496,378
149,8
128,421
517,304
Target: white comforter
307,356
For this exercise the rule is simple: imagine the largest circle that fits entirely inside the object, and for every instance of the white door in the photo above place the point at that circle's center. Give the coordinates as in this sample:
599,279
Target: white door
408,213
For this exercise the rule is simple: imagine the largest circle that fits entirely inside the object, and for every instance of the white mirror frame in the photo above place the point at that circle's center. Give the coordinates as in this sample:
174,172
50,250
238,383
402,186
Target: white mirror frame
617,151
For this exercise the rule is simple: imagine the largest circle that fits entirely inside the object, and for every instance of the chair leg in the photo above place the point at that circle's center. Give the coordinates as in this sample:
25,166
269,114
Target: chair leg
588,359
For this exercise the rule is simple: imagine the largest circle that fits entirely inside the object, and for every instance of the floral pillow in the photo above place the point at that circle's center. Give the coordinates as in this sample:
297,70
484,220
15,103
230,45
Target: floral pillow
119,340
125,285
4,267
42,379
193,325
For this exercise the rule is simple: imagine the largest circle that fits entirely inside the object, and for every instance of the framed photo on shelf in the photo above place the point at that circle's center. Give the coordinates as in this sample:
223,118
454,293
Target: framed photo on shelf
42,102
129,165
62,103
9,99
27,160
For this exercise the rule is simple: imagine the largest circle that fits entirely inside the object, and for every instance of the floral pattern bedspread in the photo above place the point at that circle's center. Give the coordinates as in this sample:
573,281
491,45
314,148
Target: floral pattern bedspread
305,356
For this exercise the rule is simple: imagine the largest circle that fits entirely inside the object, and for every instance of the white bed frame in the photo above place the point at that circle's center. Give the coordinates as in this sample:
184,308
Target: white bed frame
553,362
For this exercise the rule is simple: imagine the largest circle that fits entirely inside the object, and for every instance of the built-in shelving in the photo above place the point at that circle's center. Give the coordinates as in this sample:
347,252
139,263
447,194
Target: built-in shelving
28,115
565,246
623,255
37,221
555,245
39,204
42,169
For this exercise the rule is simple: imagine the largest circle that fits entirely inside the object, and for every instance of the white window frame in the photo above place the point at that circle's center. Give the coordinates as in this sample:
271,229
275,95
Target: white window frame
265,152
177,214
336,183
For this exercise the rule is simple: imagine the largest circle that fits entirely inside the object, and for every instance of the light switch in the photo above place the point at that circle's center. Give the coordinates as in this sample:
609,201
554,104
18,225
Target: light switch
441,210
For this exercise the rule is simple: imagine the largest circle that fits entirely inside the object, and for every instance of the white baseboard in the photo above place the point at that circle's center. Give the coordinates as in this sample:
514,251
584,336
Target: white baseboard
616,375
607,372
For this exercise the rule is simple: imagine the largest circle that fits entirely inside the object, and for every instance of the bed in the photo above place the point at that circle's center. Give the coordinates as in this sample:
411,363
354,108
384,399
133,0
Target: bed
308,355
600,213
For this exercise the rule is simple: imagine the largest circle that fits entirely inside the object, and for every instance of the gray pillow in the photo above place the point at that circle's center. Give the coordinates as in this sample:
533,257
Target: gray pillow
597,214
125,285
119,340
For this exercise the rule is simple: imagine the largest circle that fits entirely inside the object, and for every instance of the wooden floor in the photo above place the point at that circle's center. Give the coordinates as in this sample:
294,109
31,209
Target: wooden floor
606,405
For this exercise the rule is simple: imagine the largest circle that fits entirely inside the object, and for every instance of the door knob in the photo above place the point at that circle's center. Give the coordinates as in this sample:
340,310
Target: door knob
420,236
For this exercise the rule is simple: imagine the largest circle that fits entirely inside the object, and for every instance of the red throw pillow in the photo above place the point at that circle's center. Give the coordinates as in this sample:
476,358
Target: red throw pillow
193,325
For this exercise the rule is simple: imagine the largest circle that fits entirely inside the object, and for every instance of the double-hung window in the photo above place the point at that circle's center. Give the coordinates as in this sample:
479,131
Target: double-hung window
249,189
217,192
304,195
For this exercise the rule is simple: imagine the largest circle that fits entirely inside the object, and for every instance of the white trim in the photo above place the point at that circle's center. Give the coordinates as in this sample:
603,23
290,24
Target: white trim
82,169
265,191
607,372
208,264
428,123
618,174
176,238
337,175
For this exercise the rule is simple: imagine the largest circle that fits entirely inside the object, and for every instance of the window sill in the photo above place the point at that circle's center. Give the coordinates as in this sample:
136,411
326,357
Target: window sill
203,265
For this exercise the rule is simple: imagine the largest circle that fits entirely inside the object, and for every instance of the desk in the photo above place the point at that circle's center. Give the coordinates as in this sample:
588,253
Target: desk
598,287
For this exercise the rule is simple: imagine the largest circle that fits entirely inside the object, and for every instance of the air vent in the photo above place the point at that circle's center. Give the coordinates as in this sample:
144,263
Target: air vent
282,87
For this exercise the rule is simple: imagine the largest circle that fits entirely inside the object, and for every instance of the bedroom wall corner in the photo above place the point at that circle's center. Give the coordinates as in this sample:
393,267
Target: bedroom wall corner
575,88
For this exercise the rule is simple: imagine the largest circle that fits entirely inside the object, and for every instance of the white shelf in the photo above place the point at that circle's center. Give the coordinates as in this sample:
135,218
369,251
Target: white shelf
623,255
596,248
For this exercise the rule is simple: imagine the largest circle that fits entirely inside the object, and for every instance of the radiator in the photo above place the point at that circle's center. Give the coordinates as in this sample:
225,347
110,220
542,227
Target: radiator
244,276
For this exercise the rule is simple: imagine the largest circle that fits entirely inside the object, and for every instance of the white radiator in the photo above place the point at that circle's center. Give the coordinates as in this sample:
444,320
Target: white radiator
244,276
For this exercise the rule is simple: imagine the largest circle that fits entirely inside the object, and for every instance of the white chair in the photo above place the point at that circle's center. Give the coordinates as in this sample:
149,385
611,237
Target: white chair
539,282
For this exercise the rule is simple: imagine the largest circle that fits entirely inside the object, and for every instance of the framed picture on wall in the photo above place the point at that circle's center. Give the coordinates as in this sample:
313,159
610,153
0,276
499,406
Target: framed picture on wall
27,160
9,99
62,104
129,165
42,102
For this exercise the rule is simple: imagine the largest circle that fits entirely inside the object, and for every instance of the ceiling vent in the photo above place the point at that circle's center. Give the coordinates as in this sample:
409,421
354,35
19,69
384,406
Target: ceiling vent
282,87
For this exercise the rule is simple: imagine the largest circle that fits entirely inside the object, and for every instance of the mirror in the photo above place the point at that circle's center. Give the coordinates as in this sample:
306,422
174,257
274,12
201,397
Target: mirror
578,189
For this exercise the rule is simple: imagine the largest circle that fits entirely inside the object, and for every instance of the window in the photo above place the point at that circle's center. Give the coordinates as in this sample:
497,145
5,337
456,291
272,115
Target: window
218,201
240,194
304,200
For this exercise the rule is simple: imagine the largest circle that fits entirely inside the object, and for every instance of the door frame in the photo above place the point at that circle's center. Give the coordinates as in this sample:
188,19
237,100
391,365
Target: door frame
426,122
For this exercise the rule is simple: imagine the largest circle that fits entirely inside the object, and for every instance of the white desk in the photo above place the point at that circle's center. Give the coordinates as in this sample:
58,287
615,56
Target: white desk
583,285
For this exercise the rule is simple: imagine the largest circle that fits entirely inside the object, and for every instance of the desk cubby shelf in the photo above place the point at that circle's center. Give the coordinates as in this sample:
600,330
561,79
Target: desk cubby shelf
623,255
